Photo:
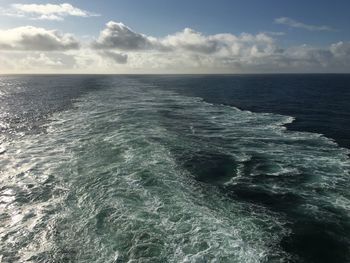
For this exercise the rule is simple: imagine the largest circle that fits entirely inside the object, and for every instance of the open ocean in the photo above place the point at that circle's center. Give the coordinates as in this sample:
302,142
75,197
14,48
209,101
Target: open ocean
178,168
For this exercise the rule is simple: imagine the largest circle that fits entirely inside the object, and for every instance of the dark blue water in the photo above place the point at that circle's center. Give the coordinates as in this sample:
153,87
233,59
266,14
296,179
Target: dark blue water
320,103
175,168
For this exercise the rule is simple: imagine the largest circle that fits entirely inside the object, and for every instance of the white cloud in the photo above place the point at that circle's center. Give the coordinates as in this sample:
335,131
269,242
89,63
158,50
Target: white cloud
293,23
341,50
118,35
34,61
40,60
47,11
36,38
192,51
119,49
191,40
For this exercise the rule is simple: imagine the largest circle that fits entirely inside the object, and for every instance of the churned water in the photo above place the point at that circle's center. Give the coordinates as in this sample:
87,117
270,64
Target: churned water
154,169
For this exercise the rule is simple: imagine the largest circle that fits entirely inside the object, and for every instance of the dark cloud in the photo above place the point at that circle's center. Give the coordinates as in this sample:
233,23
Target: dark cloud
114,56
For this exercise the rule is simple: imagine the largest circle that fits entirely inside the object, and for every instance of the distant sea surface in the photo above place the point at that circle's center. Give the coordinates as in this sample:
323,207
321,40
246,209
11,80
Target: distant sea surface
175,168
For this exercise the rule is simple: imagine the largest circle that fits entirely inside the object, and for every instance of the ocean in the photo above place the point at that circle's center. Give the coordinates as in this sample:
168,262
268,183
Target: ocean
175,168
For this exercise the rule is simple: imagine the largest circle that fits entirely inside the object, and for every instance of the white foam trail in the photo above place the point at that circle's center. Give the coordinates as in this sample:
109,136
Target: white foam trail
103,182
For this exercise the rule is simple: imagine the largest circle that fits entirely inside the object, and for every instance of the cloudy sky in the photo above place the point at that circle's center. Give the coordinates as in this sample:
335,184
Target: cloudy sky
182,36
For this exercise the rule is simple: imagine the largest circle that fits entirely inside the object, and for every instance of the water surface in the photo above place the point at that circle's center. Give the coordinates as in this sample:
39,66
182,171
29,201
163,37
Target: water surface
174,169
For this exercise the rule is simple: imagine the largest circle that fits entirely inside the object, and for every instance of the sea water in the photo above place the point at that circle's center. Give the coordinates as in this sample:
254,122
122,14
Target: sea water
173,169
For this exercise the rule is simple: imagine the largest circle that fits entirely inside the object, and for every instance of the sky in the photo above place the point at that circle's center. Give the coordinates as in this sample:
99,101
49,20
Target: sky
163,36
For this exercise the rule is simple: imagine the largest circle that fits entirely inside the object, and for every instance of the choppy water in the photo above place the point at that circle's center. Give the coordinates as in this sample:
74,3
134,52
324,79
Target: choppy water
117,169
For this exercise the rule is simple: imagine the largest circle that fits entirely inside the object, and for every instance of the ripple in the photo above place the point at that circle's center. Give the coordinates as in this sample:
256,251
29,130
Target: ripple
136,173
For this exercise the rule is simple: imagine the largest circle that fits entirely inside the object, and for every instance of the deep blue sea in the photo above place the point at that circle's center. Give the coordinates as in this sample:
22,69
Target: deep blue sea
175,168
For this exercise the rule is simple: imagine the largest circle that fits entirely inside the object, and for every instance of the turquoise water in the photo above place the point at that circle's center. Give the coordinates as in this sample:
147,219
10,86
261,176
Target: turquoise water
131,172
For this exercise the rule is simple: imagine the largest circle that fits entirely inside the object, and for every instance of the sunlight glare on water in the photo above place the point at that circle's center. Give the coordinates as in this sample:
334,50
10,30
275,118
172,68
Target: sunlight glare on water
134,173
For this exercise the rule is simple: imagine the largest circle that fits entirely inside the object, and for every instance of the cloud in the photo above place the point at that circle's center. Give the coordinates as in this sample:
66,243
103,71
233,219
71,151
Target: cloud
47,11
273,33
119,49
119,36
187,47
296,24
36,38
341,49
34,61
41,60
193,51
190,40
118,58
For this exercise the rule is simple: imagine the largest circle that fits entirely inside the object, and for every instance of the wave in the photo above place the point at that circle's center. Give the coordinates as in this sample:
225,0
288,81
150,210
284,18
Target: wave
136,173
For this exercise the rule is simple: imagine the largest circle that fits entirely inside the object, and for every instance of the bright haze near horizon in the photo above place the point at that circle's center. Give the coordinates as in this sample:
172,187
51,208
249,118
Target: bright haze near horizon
174,36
